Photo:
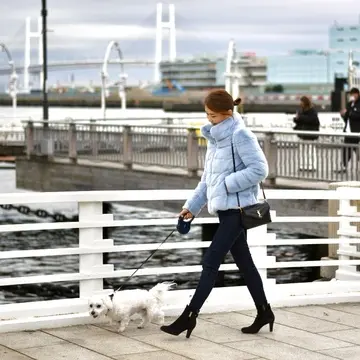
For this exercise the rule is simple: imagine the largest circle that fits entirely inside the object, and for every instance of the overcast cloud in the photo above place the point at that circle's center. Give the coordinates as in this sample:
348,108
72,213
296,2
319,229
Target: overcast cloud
82,28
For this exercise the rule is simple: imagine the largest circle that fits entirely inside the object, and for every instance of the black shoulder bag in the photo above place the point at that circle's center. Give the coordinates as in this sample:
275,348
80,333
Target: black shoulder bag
253,215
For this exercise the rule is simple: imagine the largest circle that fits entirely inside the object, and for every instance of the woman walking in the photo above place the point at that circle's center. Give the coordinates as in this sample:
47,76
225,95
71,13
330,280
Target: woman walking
307,120
219,188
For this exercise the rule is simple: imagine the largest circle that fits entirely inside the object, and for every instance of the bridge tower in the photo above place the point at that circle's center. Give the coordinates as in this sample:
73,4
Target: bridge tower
160,26
27,55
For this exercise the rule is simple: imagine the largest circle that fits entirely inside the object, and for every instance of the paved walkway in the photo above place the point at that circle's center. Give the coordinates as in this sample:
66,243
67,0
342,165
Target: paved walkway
311,333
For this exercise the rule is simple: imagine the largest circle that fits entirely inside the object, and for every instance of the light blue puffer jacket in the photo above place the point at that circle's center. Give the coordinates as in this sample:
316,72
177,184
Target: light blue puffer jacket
219,184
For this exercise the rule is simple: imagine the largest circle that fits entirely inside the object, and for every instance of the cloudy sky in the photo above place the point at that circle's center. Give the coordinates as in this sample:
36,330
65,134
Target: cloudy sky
81,29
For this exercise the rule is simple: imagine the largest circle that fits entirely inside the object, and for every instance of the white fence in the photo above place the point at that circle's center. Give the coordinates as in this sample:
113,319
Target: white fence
11,132
92,271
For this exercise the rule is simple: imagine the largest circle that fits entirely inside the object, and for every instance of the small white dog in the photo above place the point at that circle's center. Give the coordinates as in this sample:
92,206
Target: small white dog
120,306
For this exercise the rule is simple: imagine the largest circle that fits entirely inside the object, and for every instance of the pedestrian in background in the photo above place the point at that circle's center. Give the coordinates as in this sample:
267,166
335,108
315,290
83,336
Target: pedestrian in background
307,119
351,117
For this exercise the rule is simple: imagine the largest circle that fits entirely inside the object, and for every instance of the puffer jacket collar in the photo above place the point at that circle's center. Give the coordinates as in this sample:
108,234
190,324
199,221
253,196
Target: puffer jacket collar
219,132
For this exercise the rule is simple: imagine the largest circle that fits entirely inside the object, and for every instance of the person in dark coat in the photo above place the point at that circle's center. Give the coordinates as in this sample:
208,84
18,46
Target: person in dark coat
307,120
351,117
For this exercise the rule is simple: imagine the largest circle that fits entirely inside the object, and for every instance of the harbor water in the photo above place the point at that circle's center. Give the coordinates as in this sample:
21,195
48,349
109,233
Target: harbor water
128,260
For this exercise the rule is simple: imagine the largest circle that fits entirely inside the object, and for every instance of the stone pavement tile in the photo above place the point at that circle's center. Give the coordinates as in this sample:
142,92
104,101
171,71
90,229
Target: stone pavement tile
132,329
348,353
324,313
7,354
204,329
194,347
303,322
63,351
219,333
303,338
232,319
101,340
154,355
348,308
351,336
274,350
27,339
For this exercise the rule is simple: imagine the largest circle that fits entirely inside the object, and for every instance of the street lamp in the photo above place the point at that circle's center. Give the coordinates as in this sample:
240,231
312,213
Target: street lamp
105,76
44,44
13,77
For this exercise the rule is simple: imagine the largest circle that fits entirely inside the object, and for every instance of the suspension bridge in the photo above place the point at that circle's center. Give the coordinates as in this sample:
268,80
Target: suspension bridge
28,68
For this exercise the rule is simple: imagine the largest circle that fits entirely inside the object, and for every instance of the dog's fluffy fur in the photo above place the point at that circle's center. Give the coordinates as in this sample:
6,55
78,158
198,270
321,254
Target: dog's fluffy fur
124,304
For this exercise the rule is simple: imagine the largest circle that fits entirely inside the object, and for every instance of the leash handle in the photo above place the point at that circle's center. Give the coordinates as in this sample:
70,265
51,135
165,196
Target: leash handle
187,220
183,226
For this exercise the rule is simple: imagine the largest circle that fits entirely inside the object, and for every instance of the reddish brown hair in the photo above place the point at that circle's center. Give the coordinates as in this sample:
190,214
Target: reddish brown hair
306,101
220,101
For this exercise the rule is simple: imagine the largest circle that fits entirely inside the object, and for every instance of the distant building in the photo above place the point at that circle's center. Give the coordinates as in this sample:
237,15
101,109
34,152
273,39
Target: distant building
314,66
206,73
253,71
198,73
344,37
299,67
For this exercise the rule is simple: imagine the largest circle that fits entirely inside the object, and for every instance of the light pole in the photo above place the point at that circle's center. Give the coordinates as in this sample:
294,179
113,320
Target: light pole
44,44
104,77
13,78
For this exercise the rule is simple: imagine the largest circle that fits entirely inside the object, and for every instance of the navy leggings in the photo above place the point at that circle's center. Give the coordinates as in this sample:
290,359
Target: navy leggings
230,236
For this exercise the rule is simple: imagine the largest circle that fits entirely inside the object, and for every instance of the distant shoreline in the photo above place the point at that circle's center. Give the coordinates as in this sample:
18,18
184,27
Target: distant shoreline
176,104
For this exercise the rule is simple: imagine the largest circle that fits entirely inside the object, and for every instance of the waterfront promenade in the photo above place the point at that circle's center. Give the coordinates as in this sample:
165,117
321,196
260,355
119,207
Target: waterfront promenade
325,332
310,322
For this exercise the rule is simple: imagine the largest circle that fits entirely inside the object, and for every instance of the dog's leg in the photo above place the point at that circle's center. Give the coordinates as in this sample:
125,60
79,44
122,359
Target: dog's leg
161,317
123,324
158,317
144,319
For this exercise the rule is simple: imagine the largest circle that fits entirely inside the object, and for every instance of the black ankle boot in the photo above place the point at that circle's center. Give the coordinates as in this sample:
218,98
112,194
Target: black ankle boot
186,321
264,316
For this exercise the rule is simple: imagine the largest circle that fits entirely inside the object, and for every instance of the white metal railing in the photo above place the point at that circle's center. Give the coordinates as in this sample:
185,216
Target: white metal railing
92,270
328,121
12,130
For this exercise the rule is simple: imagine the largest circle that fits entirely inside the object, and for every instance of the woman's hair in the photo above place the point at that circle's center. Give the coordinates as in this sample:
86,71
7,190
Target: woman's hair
220,101
306,101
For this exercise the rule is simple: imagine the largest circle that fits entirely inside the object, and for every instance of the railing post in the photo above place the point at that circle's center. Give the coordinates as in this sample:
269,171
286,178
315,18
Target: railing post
91,212
127,147
170,132
29,132
72,143
93,138
192,152
270,151
347,231
259,251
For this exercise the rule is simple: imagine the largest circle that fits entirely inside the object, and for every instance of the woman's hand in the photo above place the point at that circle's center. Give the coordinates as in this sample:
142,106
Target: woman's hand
186,214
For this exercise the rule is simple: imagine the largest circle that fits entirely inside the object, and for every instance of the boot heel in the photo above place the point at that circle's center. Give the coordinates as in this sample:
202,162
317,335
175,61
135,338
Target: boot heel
271,326
188,332
186,321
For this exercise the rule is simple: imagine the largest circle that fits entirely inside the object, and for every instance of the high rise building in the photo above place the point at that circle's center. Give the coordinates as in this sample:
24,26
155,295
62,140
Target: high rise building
317,66
344,37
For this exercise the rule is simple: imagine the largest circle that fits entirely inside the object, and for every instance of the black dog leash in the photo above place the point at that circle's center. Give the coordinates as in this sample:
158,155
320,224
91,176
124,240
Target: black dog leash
183,227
